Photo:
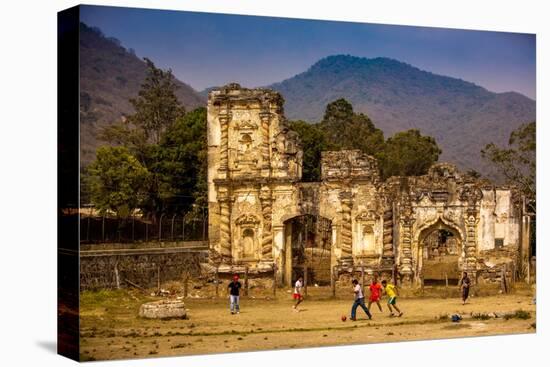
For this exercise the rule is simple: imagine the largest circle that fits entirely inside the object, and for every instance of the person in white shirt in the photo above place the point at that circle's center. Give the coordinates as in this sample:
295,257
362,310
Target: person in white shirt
358,301
297,295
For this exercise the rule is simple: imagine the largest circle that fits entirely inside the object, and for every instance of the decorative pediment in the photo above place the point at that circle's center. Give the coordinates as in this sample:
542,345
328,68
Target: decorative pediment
366,216
247,219
471,194
246,125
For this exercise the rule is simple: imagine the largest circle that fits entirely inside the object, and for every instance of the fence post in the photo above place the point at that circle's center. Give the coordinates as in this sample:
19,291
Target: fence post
133,226
446,281
246,280
274,280
203,224
160,227
186,284
158,278
503,280
88,229
172,229
305,278
103,229
363,277
183,228
117,278
217,280
333,281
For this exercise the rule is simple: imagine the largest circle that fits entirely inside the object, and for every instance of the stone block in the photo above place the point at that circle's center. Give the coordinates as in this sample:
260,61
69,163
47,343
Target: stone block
164,309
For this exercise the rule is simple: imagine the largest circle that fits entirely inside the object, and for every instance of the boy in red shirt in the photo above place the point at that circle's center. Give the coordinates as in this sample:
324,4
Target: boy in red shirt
375,293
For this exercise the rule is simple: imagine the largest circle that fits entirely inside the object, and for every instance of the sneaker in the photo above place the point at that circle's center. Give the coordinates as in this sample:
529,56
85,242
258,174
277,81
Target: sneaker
352,319
238,312
400,314
370,317
392,315
232,313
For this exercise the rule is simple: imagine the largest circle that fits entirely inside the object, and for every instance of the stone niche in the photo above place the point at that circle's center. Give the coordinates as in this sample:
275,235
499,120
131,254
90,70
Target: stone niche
247,235
365,239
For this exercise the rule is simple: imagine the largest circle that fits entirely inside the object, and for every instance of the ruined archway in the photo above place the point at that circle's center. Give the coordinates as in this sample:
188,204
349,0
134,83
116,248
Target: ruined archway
307,245
439,248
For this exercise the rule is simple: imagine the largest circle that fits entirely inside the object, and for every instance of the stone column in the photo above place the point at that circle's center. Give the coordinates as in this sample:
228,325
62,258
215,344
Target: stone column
345,229
471,195
387,235
471,220
225,227
267,235
265,117
224,118
405,237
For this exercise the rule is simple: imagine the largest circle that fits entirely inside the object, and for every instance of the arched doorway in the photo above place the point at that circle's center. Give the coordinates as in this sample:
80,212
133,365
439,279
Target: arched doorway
308,241
439,251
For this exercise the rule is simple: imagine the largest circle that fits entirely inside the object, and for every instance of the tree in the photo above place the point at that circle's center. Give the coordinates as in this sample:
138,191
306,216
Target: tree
184,160
408,153
116,181
156,110
517,162
345,129
313,142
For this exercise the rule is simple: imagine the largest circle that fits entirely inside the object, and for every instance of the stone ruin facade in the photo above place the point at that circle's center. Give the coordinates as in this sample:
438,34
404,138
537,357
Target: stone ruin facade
415,229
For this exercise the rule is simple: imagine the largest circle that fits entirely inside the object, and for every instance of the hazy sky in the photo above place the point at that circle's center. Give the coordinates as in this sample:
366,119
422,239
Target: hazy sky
206,49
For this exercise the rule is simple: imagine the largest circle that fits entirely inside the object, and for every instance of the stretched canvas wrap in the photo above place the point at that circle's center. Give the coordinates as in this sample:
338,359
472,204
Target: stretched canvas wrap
237,183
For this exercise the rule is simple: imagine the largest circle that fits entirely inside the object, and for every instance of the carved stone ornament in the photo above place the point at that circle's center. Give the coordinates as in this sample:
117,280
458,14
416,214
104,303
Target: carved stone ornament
246,125
247,219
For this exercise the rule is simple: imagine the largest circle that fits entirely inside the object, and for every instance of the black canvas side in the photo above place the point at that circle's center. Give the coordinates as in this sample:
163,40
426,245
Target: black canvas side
68,164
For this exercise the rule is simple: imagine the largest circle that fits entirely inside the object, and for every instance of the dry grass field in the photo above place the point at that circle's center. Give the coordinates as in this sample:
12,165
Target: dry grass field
111,328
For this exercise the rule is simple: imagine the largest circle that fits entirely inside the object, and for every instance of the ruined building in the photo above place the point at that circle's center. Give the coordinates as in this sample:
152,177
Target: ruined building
415,229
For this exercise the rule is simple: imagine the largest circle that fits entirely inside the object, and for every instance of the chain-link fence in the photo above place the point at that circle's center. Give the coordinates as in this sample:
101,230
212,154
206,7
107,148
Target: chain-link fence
173,227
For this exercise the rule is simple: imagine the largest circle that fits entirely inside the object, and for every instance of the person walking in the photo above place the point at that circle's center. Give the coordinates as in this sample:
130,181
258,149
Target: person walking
464,286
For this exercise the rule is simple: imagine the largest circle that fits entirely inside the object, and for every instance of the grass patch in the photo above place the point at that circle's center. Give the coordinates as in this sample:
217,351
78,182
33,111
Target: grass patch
456,326
481,316
519,314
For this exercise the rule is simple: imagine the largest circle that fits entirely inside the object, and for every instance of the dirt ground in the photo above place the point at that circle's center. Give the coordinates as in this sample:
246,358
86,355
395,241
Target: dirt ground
111,328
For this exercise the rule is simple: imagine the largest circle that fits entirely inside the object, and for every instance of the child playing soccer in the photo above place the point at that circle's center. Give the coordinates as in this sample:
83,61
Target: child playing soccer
298,293
391,291
375,290
358,301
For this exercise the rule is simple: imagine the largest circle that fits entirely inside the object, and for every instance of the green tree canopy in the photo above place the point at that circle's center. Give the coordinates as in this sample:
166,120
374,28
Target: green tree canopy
408,153
314,142
116,181
156,109
185,162
517,162
345,129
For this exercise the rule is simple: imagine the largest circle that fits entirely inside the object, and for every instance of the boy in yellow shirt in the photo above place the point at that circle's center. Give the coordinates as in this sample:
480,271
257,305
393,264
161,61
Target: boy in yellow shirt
391,291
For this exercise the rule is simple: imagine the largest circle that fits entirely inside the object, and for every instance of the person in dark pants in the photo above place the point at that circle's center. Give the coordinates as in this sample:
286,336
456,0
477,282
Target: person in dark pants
464,285
359,300
234,288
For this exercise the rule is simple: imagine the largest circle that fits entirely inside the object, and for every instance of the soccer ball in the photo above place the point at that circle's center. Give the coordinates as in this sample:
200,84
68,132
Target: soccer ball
344,318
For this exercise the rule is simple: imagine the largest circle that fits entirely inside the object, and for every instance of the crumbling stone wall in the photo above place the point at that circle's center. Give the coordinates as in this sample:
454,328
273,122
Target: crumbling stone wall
103,270
254,192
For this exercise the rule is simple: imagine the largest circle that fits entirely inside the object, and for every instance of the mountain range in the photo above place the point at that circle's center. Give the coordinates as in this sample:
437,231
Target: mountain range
462,116
109,76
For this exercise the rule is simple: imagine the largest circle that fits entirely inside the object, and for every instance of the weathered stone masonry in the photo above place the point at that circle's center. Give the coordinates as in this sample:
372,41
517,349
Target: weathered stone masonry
424,228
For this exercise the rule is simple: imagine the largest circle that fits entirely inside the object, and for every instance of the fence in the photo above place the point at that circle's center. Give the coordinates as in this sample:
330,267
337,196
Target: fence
106,229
